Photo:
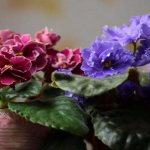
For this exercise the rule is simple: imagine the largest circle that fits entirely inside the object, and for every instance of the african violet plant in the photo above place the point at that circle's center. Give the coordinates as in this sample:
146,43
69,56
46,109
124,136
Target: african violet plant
95,94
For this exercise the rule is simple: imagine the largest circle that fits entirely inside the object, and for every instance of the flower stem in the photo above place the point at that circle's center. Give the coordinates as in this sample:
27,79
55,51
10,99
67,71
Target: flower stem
134,48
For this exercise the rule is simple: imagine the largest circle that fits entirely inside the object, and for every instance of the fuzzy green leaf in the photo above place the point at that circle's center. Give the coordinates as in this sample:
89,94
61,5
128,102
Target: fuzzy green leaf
84,86
27,89
124,129
61,113
64,142
51,92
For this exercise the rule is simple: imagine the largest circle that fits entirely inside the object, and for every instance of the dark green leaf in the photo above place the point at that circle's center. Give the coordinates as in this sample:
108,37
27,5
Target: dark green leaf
64,142
27,89
62,114
4,92
84,86
51,92
124,129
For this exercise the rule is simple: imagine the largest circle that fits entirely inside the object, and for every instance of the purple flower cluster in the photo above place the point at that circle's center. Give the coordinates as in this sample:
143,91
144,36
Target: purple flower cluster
110,54
139,28
106,58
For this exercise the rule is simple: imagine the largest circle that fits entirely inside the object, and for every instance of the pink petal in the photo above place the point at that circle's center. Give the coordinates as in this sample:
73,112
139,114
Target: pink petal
6,68
7,52
68,53
21,76
33,49
46,37
3,61
25,38
77,51
40,62
7,80
61,57
7,34
21,63
77,58
14,44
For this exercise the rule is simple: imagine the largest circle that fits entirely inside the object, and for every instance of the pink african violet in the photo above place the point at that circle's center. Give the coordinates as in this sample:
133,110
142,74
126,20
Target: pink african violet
35,52
18,42
51,59
21,56
65,59
46,37
68,59
14,70
6,35
23,45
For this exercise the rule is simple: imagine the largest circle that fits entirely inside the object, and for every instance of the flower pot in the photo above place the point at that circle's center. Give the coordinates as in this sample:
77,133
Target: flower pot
17,133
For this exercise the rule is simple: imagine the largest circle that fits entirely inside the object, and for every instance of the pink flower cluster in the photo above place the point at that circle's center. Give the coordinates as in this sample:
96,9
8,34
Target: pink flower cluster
21,56
65,59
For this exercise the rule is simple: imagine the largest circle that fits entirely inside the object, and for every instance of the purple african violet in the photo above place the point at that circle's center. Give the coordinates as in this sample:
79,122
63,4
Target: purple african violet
145,26
139,28
124,35
106,58
137,32
143,53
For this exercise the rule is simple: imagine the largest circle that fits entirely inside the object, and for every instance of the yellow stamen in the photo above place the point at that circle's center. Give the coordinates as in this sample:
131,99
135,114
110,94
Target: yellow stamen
8,66
131,46
107,64
63,66
20,54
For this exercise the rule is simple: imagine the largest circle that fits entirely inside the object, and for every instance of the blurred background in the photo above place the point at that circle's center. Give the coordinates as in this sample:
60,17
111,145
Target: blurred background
77,21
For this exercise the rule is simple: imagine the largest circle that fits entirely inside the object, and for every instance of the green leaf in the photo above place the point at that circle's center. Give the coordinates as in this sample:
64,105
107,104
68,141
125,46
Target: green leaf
144,78
124,129
27,89
64,142
61,113
51,92
84,86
